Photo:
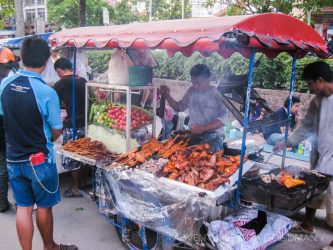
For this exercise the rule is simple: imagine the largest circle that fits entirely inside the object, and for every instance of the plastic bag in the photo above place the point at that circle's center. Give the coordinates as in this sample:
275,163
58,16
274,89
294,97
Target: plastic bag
118,68
49,75
168,113
102,78
142,57
229,234
82,66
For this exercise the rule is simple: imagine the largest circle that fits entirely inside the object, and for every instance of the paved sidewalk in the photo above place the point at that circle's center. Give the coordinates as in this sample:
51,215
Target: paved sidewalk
76,220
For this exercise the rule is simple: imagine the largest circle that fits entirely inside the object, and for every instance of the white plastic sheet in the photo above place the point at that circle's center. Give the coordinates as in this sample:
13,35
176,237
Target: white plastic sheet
162,207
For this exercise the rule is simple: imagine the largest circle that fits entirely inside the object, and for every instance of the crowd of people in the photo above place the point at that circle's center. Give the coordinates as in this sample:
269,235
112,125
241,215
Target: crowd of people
27,134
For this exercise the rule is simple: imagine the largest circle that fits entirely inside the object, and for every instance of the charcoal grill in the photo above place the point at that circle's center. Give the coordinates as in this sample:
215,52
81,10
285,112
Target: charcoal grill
278,198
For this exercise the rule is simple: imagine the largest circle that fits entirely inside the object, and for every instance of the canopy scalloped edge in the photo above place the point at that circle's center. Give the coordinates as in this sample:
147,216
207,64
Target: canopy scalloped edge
269,33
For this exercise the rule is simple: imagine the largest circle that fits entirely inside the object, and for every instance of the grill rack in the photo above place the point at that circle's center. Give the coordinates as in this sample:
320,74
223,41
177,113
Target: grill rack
233,92
277,198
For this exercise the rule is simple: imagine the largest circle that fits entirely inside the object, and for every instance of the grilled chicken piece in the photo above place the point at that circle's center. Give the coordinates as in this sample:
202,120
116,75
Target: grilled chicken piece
216,182
139,157
190,179
212,161
131,163
206,175
174,175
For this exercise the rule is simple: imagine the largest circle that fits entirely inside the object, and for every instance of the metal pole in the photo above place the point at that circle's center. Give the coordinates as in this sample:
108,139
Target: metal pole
246,124
154,110
183,9
143,237
128,119
86,111
291,91
150,9
73,94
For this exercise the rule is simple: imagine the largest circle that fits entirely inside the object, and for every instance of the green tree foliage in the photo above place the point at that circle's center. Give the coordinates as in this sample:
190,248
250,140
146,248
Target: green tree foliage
179,66
64,13
123,13
99,60
268,73
6,10
301,86
165,10
244,7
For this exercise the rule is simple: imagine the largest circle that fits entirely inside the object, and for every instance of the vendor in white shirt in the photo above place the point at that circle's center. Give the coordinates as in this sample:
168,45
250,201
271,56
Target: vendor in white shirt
205,108
319,122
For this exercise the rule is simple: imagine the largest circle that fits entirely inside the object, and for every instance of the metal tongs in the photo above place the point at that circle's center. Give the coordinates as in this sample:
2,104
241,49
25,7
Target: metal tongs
274,151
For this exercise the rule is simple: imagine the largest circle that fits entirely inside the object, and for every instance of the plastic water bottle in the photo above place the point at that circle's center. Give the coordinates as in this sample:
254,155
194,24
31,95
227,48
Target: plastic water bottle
307,148
300,150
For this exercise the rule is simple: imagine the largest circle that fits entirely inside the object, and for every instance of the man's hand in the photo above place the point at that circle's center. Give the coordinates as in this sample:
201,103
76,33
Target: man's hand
56,133
164,90
198,129
279,146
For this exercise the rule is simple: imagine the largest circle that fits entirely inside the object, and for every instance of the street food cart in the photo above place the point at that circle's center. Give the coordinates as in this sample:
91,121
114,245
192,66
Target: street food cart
147,207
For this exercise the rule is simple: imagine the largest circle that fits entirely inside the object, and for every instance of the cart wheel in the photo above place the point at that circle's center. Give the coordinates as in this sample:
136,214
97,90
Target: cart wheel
133,235
181,246
199,241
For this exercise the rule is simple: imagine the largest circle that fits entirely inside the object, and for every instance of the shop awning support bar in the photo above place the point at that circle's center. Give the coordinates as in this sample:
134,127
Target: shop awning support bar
291,92
73,94
246,125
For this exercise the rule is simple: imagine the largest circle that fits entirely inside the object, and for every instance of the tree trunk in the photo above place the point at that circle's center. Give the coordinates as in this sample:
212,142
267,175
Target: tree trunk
19,19
82,13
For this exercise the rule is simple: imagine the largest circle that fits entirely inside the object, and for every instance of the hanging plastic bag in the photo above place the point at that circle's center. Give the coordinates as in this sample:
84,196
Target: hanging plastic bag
118,68
168,113
142,57
82,67
49,75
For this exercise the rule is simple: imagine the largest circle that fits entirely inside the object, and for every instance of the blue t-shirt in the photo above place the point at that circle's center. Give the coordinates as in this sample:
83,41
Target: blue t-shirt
276,129
30,109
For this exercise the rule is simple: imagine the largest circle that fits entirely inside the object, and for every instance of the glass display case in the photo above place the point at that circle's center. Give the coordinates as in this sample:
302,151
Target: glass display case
119,117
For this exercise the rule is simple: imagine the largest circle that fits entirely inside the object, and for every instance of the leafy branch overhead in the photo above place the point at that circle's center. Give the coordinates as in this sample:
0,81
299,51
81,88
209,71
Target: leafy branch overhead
6,11
64,13
295,8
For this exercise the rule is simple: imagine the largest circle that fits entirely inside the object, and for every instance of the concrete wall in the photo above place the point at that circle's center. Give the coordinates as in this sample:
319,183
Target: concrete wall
274,98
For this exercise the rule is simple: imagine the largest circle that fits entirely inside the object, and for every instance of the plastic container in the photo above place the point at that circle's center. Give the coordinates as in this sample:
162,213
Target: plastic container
234,134
227,128
307,148
140,75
